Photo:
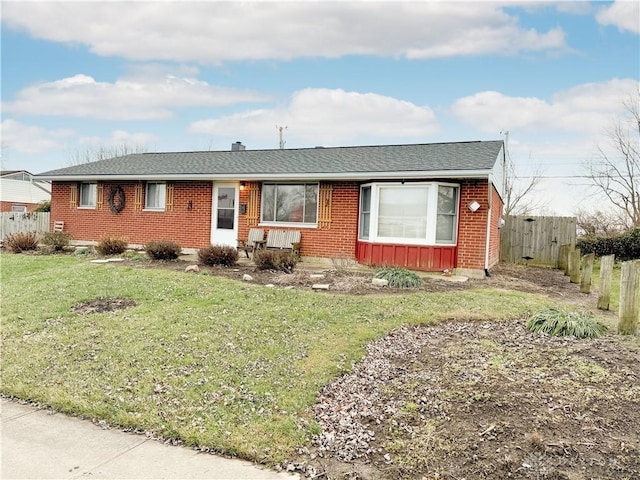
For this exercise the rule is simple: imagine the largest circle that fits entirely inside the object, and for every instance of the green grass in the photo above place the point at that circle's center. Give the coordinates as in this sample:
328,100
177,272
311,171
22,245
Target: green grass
225,365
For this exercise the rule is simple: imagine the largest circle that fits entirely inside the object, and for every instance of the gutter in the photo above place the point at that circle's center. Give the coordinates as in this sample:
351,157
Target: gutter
36,184
407,175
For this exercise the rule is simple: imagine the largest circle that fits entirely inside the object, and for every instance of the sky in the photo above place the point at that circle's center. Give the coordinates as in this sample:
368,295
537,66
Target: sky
548,77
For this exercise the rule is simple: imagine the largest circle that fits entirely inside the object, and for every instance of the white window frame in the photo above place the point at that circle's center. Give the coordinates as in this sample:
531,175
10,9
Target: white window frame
362,213
93,197
162,200
269,223
18,209
432,213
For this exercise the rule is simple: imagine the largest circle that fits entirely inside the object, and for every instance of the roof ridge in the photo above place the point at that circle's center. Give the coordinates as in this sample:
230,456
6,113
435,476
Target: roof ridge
313,148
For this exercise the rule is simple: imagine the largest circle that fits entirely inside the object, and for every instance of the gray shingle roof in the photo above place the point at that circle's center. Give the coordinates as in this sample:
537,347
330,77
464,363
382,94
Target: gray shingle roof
333,162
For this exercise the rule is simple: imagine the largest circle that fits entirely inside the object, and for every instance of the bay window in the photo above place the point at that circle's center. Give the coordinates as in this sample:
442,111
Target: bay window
290,203
402,211
414,213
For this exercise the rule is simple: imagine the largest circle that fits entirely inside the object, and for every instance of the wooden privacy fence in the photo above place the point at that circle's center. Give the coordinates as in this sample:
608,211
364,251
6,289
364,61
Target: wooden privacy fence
535,240
11,222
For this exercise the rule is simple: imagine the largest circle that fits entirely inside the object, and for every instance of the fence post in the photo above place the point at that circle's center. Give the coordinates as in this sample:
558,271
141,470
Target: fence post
629,298
574,265
587,271
606,275
563,257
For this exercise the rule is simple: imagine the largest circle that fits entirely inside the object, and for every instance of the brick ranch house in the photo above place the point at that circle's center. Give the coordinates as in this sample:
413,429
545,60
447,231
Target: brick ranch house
425,207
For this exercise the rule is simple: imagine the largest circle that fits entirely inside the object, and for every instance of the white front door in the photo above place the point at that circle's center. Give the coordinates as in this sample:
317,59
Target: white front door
224,224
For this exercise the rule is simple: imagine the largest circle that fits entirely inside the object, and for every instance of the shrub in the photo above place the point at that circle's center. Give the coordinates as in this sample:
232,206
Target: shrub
111,246
218,255
624,247
43,206
280,260
399,277
21,241
163,250
56,240
560,323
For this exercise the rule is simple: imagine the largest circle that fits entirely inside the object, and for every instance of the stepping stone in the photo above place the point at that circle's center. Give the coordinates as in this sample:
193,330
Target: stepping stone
320,286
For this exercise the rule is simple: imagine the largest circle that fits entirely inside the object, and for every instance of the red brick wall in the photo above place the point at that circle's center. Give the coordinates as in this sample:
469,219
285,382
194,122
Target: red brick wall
6,206
472,226
495,232
339,239
191,228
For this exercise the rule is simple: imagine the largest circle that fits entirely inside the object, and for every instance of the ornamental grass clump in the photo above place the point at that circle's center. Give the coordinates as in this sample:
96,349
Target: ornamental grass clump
279,260
163,250
218,255
399,277
56,241
111,246
21,242
560,323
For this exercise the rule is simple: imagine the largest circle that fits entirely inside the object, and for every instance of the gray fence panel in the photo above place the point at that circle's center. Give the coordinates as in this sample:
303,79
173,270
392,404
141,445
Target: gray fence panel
535,240
11,222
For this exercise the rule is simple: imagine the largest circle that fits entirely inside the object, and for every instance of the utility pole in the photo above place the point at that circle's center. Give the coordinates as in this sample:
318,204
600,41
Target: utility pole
506,164
282,142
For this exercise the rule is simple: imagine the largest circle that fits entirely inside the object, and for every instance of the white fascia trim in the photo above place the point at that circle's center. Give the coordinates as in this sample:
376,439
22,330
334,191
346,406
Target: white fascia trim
474,174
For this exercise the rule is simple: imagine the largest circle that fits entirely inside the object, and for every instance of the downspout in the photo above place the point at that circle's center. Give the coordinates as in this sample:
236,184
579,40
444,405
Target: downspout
486,248
490,202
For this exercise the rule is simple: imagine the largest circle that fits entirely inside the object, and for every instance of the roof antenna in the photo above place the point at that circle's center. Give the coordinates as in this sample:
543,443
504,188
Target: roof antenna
282,141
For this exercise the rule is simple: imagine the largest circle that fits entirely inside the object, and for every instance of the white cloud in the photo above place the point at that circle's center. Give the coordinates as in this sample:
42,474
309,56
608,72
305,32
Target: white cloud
136,98
329,117
120,138
587,108
30,139
623,14
212,32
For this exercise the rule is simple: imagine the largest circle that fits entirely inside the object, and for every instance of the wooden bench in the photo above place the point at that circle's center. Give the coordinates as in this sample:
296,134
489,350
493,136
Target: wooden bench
256,236
282,240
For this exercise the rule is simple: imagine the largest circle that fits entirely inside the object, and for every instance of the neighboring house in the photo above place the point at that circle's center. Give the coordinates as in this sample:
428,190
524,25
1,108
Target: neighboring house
20,192
424,206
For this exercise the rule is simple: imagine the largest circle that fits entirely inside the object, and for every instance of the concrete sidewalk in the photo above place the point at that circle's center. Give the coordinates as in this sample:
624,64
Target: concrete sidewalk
37,444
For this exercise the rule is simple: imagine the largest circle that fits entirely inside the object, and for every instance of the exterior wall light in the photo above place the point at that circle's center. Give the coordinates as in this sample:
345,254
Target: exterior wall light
474,206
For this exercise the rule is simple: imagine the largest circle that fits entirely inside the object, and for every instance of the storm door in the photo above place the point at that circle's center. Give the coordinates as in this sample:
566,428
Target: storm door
224,224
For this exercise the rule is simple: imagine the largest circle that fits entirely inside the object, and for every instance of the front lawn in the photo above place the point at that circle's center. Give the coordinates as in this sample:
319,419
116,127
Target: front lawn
220,364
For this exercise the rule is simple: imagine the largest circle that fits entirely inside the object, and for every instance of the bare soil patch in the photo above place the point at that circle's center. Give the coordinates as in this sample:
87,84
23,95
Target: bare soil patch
99,305
546,281
482,401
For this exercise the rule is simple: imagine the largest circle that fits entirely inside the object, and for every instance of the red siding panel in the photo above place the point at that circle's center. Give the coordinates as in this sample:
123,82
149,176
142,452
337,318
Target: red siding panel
427,258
